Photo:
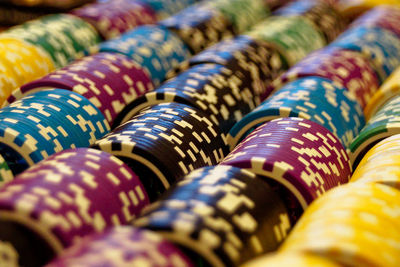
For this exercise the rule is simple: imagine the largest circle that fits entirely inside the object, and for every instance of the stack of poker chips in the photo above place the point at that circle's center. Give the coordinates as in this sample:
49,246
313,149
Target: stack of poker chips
166,8
380,164
112,18
349,223
123,246
312,98
63,198
303,157
153,47
227,80
63,37
221,215
164,143
47,122
108,80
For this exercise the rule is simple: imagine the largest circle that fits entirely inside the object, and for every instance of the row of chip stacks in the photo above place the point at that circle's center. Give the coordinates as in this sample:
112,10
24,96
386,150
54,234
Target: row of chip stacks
356,224
37,47
215,215
54,207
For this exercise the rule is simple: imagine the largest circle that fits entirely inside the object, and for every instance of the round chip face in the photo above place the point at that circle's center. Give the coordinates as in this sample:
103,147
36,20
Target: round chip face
64,37
299,154
323,14
253,214
312,98
199,26
165,142
345,68
379,45
109,81
347,223
58,186
294,36
153,47
382,125
47,122
112,18
123,245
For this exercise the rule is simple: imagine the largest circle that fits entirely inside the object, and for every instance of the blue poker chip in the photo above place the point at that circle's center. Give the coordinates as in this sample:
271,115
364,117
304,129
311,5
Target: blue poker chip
380,46
313,98
154,47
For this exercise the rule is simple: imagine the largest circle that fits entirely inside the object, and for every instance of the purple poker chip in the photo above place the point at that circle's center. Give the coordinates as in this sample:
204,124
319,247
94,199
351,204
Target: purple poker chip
299,154
110,81
123,246
345,68
112,18
384,16
69,195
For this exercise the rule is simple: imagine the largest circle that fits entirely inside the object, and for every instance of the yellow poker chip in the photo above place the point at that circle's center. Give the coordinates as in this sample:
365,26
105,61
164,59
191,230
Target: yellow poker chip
28,62
353,8
8,79
390,88
290,259
346,245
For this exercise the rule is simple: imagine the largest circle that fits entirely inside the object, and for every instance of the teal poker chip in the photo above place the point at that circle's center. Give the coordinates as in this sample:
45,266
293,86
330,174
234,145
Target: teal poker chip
166,8
153,47
313,98
379,45
46,122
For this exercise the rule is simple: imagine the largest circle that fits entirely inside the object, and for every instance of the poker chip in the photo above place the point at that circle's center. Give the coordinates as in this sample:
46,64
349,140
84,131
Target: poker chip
199,26
167,8
380,164
47,122
242,13
153,47
109,81
255,220
25,61
384,16
389,89
312,98
260,61
224,95
349,222
8,79
123,245
383,124
274,4
321,13
290,259
165,142
293,36
299,154
112,18
68,196
6,174
378,45
62,36
345,68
